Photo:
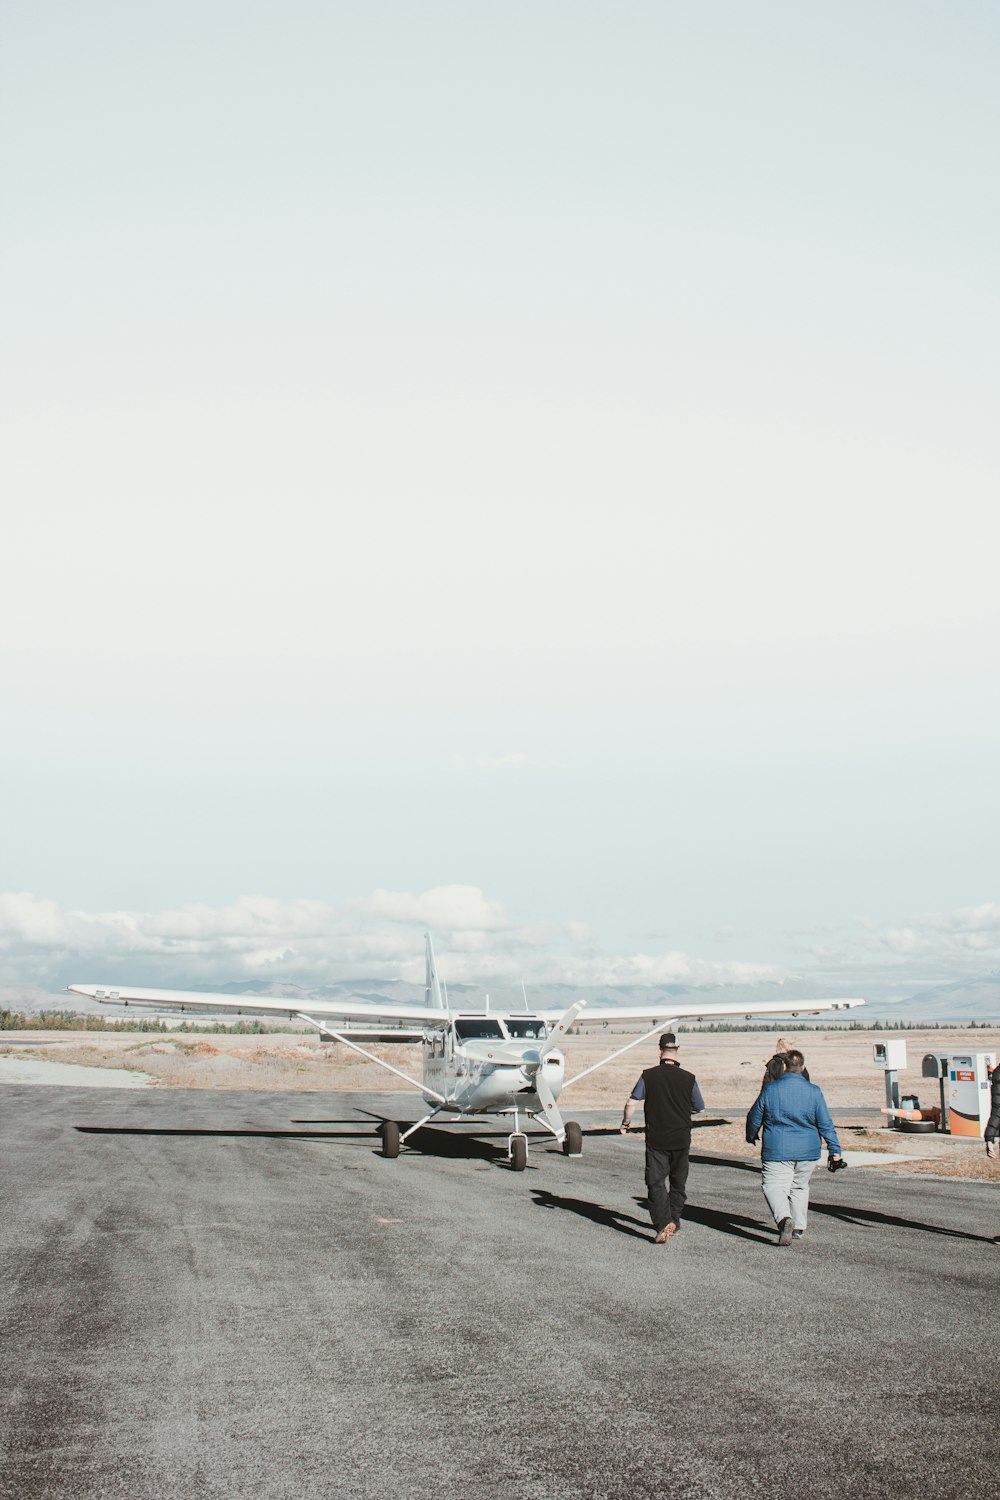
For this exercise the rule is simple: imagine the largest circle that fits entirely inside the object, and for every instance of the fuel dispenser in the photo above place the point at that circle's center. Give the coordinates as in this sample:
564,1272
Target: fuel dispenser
905,1113
964,1088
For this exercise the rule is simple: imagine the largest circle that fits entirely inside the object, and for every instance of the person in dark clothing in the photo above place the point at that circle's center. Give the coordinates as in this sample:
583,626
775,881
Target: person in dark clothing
773,1068
992,1131
778,1064
670,1096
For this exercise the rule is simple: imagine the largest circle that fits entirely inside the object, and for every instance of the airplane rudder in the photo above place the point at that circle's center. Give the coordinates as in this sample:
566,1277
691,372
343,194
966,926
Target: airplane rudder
432,989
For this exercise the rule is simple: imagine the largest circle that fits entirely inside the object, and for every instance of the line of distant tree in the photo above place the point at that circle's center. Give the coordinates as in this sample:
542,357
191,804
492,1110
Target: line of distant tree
68,1020
789,1023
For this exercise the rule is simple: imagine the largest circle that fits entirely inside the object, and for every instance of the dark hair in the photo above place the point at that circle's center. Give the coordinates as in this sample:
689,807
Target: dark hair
776,1066
796,1062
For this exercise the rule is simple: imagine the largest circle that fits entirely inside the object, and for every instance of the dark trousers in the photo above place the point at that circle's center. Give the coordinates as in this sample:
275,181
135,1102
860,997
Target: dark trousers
661,1165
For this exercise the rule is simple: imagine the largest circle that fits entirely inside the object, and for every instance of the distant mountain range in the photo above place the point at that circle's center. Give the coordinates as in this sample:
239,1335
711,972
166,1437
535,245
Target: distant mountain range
964,1000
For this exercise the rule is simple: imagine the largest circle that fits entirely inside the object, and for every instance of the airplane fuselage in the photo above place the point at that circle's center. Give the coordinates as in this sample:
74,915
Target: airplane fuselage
494,1072
475,1082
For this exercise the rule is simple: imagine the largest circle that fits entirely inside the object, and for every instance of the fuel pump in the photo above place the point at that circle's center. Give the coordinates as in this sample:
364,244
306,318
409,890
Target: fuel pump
969,1091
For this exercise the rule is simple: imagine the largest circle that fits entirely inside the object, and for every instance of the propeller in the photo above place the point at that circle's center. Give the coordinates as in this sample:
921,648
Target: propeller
535,1070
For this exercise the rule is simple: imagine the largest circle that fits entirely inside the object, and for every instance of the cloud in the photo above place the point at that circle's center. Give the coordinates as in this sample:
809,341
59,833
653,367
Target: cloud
965,933
314,942
445,908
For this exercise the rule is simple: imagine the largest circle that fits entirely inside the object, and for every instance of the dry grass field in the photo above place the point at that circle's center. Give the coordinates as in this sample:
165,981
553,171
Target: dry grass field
728,1066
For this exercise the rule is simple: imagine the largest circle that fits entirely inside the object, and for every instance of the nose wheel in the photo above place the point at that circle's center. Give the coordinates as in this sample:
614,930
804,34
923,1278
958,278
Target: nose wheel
517,1149
573,1143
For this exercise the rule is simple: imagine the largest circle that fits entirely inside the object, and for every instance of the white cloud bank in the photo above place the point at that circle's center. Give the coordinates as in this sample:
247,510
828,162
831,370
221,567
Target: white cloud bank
315,942
968,932
380,937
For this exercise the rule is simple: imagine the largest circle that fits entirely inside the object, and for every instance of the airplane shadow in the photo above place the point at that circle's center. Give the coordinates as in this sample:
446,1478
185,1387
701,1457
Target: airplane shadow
291,1135
427,1141
455,1145
640,1130
607,1218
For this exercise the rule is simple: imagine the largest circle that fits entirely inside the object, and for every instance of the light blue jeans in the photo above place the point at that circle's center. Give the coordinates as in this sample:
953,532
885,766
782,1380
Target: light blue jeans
786,1188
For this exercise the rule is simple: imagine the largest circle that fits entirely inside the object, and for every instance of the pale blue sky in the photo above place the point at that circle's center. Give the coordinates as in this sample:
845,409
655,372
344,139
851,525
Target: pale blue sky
546,449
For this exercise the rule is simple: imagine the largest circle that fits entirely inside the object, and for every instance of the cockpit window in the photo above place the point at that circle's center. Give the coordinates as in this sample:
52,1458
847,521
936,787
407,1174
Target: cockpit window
528,1028
475,1026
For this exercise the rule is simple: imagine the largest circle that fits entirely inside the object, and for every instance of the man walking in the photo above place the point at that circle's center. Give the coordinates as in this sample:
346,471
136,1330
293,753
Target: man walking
794,1118
670,1096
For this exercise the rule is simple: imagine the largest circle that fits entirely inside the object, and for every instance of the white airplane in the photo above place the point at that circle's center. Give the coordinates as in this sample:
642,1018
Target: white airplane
476,1063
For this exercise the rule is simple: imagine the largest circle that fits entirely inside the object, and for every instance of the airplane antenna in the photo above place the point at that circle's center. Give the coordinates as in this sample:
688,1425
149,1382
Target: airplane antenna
524,992
446,1004
487,999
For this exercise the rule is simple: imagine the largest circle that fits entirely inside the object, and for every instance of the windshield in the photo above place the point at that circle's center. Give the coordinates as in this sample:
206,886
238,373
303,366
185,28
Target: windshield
478,1026
527,1027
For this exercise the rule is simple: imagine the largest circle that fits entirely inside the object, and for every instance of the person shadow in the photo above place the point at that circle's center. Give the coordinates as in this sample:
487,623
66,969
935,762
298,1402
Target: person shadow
607,1218
623,1223
862,1218
739,1225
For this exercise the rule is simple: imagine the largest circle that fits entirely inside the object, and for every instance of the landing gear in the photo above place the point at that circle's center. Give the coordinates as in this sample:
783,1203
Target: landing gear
390,1138
518,1152
573,1144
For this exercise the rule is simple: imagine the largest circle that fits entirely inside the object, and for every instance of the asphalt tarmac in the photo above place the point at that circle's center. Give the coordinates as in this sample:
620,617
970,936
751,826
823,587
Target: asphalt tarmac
215,1294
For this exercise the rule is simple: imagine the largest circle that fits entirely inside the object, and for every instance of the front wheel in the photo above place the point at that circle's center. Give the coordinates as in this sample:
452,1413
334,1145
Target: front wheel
390,1138
573,1144
518,1153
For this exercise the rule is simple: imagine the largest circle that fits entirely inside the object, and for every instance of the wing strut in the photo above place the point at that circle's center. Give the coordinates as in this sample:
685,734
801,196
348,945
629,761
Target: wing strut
612,1055
339,1036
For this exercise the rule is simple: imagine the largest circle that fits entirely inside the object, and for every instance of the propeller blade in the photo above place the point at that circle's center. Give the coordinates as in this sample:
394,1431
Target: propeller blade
547,1100
561,1027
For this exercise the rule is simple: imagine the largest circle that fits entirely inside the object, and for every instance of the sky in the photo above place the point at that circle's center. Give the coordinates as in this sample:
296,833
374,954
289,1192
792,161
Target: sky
525,470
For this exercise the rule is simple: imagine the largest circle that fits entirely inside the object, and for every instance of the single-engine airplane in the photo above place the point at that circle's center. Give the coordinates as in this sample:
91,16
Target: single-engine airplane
476,1063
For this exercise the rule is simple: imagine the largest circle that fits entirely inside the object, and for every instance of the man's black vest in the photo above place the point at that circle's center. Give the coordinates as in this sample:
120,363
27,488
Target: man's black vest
668,1107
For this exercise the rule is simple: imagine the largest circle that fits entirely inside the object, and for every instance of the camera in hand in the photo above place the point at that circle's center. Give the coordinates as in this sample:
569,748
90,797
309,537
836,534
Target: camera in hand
835,1163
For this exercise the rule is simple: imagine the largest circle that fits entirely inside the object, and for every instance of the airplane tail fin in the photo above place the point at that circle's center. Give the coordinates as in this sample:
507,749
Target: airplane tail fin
432,989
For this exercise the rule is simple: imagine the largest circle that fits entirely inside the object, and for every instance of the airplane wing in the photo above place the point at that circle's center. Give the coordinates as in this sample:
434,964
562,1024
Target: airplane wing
376,1019
688,1009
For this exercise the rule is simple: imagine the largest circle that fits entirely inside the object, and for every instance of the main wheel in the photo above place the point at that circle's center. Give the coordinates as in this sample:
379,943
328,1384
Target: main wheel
573,1144
518,1153
390,1138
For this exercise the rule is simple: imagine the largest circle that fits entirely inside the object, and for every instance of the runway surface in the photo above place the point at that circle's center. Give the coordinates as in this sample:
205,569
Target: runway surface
216,1294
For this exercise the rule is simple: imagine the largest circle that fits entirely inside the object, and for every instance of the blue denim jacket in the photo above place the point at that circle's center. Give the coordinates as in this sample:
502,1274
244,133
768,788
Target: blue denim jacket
794,1115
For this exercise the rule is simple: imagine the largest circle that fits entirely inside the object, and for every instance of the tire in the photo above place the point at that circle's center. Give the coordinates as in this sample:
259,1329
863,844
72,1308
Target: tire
917,1127
518,1153
390,1139
573,1144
